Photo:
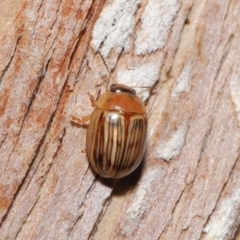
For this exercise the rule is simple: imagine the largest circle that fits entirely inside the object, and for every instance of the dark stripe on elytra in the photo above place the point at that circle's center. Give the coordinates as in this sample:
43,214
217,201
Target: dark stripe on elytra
99,153
112,126
123,159
118,124
108,134
122,140
134,139
140,133
96,139
131,138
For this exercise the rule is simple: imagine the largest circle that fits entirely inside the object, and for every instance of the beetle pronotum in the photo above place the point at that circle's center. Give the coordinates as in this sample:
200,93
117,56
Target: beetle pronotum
116,134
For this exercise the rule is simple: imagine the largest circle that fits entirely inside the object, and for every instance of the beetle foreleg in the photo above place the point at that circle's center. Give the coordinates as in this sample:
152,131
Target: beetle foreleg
93,101
81,120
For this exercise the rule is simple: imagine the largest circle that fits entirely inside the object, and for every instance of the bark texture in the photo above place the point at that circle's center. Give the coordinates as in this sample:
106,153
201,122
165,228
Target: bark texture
181,56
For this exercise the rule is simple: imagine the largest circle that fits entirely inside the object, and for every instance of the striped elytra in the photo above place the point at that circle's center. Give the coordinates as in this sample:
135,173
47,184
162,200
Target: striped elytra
116,135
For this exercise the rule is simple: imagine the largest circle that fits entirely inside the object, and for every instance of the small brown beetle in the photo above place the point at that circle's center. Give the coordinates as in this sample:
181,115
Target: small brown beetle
116,135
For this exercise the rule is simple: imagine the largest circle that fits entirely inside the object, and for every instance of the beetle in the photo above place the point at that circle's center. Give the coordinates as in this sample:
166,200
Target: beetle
116,134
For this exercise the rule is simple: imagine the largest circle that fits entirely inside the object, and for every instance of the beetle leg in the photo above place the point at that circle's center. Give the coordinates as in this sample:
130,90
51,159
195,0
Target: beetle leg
81,120
91,97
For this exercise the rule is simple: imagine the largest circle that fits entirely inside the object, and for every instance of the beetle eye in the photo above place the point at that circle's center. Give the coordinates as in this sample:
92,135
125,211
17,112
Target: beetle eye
122,88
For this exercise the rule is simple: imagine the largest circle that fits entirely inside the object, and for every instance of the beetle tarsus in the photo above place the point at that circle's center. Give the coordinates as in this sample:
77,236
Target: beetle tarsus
91,97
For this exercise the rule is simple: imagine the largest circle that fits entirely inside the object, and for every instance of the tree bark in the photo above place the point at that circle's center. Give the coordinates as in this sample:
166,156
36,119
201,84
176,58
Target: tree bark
182,58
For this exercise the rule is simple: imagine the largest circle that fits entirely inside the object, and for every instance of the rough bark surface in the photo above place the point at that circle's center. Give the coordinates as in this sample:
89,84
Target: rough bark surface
183,59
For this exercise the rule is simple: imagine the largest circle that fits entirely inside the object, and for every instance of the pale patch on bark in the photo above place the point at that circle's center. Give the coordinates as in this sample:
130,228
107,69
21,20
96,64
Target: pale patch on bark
114,26
172,146
156,22
182,83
